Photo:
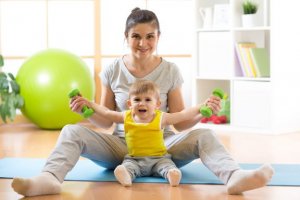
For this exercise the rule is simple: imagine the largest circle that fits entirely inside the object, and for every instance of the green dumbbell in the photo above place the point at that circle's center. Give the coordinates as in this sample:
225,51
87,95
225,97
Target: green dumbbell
205,110
87,112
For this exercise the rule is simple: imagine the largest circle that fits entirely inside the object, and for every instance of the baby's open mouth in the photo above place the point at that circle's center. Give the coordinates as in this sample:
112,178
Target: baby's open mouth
142,110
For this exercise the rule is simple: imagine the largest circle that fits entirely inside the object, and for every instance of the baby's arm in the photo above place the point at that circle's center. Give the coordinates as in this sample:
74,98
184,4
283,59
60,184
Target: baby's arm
101,113
114,116
186,114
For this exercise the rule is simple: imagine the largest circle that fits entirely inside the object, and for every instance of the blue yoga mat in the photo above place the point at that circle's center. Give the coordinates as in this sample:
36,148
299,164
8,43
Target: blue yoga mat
193,173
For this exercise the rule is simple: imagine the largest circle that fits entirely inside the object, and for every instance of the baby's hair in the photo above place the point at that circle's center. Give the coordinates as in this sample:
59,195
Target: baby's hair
142,87
139,16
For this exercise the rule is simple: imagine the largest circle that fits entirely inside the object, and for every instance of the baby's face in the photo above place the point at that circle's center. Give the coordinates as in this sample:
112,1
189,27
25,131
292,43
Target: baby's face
143,106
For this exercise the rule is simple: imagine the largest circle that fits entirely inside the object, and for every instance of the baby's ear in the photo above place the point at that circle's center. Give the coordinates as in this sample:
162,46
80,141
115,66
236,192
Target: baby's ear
128,103
158,103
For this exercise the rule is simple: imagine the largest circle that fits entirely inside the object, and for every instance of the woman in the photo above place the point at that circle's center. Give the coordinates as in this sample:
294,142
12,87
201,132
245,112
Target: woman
142,33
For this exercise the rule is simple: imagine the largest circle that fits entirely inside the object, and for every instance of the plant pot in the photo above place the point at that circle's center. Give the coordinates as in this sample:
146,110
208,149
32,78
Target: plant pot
250,20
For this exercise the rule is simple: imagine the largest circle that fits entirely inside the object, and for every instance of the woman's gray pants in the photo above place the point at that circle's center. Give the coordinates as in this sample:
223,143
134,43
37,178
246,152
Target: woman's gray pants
109,150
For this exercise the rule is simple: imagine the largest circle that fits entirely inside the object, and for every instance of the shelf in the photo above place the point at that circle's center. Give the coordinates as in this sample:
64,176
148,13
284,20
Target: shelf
259,28
256,79
214,126
216,66
223,58
212,78
212,30
230,128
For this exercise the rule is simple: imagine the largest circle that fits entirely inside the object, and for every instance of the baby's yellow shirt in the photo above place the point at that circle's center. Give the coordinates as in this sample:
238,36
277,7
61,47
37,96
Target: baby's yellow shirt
144,139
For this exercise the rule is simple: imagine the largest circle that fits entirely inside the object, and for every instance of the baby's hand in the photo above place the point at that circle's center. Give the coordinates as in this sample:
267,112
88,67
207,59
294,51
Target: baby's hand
78,102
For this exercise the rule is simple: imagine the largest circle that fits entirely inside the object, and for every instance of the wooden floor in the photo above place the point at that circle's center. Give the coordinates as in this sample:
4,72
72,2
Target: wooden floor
25,140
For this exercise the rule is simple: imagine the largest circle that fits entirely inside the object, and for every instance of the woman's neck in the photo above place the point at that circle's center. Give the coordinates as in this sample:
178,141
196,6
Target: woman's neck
141,67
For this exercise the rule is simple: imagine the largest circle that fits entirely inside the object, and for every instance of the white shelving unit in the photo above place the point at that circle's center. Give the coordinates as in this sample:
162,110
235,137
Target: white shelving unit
263,105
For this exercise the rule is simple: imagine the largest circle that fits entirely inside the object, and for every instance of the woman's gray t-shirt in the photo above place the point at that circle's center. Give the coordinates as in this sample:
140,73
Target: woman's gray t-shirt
116,76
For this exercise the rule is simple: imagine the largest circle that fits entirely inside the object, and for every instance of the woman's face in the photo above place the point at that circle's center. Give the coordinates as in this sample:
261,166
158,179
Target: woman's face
142,40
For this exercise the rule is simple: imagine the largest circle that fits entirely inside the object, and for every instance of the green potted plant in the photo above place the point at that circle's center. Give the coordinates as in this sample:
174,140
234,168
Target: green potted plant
249,17
249,7
10,98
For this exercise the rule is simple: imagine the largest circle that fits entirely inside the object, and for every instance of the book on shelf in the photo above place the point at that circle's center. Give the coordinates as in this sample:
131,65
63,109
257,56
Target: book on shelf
261,61
244,57
239,59
250,61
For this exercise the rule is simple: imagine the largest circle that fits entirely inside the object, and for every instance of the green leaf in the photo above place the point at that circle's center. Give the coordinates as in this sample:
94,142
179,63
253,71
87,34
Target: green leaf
11,76
2,113
2,75
4,109
225,109
4,85
15,87
10,107
10,99
1,61
18,101
12,111
249,7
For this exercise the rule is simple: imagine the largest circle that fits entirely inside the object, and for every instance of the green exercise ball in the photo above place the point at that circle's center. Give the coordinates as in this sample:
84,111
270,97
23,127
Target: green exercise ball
45,80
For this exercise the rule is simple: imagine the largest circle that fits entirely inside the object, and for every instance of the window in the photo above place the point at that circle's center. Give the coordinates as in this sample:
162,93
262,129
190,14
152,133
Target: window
93,30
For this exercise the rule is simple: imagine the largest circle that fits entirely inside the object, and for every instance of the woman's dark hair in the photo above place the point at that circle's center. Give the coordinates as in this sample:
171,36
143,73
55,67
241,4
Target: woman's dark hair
139,16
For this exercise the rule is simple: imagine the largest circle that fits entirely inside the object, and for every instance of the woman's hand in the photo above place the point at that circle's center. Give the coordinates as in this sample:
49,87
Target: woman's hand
214,103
